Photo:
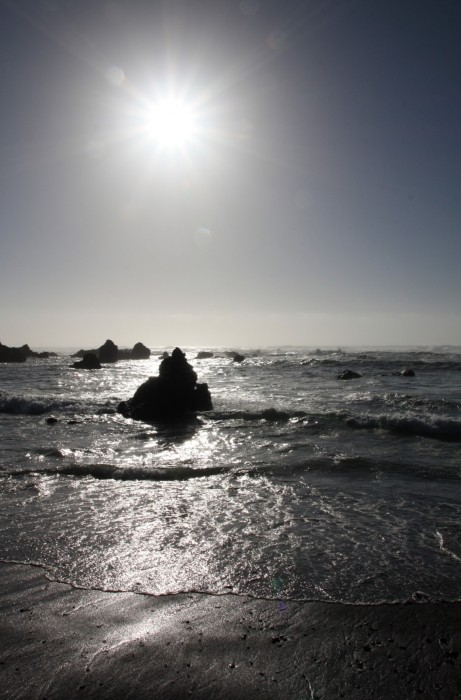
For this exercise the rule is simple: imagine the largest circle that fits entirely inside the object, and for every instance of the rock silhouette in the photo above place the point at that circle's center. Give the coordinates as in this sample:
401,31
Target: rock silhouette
407,372
89,361
238,357
348,374
21,354
8,354
110,352
140,352
171,395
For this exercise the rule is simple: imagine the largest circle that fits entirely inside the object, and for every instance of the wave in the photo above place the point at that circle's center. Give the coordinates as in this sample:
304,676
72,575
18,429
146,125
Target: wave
32,406
378,365
111,471
268,414
432,404
446,429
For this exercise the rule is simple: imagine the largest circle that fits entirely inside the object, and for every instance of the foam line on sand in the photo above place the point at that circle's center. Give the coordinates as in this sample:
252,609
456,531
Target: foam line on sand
62,642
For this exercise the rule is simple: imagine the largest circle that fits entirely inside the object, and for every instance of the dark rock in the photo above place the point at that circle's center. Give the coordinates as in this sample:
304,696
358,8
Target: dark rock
140,352
82,352
8,354
108,352
25,349
204,355
235,356
171,395
348,374
407,372
238,357
51,420
124,354
90,361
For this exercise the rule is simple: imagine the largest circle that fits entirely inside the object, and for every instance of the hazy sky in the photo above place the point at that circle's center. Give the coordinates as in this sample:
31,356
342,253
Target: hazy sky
313,197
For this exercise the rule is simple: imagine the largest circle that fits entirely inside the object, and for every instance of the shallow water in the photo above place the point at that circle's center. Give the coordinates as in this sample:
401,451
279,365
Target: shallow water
296,486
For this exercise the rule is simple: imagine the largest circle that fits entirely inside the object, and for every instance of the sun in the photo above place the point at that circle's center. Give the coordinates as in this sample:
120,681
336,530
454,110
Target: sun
171,123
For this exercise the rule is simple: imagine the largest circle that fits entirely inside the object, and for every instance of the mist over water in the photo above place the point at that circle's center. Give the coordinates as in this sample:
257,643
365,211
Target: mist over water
296,486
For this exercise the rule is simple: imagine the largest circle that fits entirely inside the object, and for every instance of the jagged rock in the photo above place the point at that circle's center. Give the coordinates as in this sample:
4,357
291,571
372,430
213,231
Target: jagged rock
90,361
348,374
108,352
171,395
204,355
140,352
8,354
25,349
407,372
82,352
235,356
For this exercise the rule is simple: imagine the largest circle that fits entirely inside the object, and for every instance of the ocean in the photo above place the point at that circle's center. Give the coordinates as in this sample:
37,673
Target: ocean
297,486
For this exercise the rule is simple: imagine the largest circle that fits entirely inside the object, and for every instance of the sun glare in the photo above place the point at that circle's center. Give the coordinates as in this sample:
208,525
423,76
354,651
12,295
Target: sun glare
171,123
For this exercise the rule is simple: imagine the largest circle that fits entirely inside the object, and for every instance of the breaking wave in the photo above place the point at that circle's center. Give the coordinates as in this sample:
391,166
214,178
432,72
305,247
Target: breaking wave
110,471
447,429
268,414
32,406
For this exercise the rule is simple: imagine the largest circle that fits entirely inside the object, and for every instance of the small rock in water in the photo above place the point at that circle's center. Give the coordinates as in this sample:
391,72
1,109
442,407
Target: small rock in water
348,374
204,355
238,357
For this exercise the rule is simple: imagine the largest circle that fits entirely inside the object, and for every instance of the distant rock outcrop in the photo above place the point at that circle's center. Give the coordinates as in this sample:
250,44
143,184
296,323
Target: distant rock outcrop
171,395
348,374
204,355
31,353
21,354
8,354
89,361
109,352
140,352
235,356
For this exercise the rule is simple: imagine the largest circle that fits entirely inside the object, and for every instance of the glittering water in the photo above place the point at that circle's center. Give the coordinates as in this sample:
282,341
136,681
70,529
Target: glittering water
297,485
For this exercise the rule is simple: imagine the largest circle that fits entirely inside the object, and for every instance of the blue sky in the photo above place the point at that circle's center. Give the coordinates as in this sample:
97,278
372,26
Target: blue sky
318,202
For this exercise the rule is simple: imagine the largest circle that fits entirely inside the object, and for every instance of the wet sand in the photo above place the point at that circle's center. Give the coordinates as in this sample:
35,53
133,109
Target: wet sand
61,642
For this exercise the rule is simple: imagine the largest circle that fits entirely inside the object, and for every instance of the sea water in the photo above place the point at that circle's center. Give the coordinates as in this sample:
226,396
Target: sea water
296,486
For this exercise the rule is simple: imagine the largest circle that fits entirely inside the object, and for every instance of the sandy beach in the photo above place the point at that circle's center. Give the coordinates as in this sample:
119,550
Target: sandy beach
62,642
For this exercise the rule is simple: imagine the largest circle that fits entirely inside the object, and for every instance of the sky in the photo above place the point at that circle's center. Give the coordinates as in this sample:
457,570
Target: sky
216,172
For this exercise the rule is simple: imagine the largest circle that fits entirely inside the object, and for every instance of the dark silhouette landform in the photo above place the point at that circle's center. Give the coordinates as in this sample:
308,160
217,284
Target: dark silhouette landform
348,374
110,352
21,354
171,396
89,361
235,356
204,355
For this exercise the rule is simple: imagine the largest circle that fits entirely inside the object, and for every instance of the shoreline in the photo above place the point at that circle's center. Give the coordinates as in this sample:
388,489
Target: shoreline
64,642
